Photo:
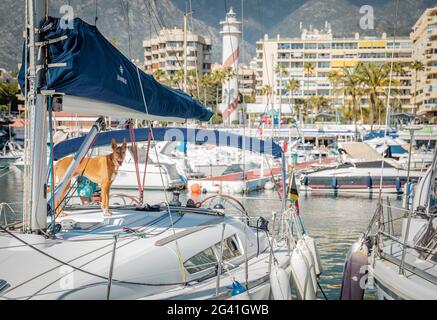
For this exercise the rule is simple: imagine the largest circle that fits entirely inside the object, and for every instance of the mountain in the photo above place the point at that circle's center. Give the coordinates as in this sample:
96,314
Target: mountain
112,22
260,16
344,16
284,16
146,17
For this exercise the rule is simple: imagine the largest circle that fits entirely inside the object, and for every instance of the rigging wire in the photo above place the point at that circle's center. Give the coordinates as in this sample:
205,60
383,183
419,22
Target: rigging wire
387,120
154,11
67,263
96,13
125,9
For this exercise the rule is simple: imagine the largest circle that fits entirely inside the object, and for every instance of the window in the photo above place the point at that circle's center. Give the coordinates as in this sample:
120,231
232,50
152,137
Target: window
201,261
346,45
209,258
230,249
296,65
296,46
283,56
324,46
324,64
283,46
310,45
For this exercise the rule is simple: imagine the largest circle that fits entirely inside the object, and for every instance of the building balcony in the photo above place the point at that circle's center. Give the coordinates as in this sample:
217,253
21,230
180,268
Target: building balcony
431,69
431,45
423,109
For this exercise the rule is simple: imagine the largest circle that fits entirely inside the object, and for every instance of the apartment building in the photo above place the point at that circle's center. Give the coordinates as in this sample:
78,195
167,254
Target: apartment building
166,52
424,38
326,53
246,80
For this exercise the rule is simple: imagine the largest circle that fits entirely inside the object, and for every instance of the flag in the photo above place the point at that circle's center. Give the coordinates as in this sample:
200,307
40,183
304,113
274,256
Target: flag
294,194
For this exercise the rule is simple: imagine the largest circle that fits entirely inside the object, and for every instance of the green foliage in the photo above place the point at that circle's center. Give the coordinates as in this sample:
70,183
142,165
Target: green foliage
249,99
8,94
217,119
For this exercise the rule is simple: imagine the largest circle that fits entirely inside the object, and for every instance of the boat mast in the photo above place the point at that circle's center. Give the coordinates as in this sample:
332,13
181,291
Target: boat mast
35,203
185,50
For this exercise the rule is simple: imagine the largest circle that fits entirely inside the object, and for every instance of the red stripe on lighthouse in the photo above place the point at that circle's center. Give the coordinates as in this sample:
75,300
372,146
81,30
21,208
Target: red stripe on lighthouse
230,109
232,58
234,104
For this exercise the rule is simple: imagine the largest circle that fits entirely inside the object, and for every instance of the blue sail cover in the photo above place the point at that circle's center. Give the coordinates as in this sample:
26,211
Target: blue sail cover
213,137
98,79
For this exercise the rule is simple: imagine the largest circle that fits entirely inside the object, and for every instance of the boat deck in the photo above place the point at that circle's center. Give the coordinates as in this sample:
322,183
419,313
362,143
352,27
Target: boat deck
419,281
147,223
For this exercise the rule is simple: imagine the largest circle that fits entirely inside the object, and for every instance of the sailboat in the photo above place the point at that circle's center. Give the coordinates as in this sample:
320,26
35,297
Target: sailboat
10,153
165,251
406,267
398,265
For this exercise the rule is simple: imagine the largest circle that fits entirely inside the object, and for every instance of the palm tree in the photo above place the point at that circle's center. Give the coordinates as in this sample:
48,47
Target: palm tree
229,73
280,70
192,78
159,75
8,94
399,69
334,77
416,66
291,87
218,77
205,82
317,103
267,91
374,78
179,78
309,69
350,85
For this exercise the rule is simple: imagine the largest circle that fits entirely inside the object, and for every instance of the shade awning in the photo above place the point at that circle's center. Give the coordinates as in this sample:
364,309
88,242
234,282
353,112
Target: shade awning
213,137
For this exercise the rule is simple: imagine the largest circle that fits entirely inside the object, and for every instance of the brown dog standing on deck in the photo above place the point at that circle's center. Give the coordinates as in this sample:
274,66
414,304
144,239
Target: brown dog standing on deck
100,170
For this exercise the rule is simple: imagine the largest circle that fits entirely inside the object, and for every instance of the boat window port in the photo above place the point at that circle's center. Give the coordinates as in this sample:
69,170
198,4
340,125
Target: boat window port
431,252
230,248
209,257
201,261
4,285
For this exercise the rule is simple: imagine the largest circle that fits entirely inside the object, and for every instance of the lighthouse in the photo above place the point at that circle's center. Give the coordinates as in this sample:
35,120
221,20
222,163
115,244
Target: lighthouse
231,34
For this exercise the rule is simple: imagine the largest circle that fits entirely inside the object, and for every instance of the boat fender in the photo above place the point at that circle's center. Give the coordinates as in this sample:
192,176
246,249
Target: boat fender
237,288
334,183
302,279
269,185
238,189
398,185
305,181
196,188
312,246
280,284
309,261
356,260
369,182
